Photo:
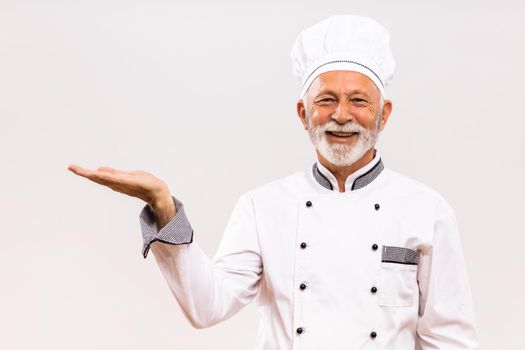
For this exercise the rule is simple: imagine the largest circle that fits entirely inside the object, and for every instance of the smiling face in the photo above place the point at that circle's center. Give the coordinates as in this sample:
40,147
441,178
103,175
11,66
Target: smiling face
343,113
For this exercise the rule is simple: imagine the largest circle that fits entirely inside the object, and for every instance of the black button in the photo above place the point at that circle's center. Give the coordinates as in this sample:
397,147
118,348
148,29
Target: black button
302,286
308,204
377,206
303,245
299,330
373,335
373,289
374,246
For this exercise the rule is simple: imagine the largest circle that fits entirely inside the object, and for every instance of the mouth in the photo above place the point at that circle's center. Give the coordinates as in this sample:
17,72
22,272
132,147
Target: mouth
341,135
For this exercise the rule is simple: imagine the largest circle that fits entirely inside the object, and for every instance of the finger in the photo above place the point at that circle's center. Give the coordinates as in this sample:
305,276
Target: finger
105,177
114,171
101,177
79,170
107,169
100,181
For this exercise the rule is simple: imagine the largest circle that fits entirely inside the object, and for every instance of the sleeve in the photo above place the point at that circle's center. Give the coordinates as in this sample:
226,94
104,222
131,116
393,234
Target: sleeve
212,290
446,316
177,231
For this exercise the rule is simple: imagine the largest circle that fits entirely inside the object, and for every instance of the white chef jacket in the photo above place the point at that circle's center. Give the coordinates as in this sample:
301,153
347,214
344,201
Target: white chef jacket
379,266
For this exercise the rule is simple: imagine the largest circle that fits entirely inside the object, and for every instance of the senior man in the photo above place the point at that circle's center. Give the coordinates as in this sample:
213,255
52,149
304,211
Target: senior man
346,254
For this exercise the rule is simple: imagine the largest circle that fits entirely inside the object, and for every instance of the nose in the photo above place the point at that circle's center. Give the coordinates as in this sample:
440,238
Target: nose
342,115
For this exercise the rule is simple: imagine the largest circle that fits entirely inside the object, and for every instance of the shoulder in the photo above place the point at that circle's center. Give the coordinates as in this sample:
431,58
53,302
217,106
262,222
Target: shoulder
290,186
406,186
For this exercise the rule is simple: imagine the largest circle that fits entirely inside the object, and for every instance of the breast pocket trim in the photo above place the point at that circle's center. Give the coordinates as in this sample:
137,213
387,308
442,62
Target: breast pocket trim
399,255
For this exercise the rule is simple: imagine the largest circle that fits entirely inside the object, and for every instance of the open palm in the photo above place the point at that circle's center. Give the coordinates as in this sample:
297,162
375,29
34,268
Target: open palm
136,183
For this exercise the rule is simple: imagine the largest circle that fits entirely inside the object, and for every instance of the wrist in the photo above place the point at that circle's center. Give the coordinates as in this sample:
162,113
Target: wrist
158,194
161,201
164,209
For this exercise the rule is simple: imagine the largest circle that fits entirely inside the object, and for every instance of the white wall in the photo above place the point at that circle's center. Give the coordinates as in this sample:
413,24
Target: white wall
202,95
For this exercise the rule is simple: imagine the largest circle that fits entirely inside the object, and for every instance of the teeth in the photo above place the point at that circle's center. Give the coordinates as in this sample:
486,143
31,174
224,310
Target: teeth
344,134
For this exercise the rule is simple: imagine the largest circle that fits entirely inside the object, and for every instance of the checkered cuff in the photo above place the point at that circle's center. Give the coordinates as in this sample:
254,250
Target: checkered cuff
177,231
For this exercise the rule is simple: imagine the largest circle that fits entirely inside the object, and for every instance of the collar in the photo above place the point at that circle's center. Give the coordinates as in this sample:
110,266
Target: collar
358,179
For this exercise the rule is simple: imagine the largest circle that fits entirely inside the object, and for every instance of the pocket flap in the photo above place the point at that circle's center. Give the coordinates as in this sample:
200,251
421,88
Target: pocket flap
399,255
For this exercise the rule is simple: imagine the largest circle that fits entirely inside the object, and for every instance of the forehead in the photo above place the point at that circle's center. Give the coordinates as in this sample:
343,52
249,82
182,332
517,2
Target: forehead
343,81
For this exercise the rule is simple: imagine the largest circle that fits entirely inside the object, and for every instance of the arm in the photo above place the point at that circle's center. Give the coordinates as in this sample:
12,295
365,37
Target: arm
446,317
208,291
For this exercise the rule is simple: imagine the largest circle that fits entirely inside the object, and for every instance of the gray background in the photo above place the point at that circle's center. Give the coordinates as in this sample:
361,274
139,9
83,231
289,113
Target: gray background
201,94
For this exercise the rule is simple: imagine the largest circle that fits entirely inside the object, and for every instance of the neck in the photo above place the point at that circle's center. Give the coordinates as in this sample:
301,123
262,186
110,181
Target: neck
342,172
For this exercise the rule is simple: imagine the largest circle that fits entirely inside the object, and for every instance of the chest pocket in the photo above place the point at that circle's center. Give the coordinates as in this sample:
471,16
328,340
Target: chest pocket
398,279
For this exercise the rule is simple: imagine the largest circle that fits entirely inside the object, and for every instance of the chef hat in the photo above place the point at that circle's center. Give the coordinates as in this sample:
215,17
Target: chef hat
343,42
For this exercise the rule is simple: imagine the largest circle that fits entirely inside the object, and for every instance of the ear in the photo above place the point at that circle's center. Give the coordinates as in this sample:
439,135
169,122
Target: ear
387,110
301,113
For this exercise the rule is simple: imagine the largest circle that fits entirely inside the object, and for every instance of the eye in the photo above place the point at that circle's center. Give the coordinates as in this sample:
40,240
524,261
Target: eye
326,101
359,100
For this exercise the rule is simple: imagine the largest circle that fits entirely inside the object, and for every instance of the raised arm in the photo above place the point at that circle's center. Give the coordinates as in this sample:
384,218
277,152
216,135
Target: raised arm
208,291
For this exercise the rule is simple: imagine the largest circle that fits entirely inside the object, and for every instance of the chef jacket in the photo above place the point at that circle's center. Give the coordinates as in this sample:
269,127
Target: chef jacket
379,266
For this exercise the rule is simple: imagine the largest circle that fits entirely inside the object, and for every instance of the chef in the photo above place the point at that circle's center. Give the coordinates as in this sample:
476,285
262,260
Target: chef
346,254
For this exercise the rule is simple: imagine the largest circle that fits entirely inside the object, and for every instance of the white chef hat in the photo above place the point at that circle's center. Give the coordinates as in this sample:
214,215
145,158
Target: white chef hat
343,42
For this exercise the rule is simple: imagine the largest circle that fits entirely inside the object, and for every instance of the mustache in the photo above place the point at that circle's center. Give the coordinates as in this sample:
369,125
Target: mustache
333,126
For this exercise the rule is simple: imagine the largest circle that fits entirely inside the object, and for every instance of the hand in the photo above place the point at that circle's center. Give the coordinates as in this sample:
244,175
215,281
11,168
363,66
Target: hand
135,183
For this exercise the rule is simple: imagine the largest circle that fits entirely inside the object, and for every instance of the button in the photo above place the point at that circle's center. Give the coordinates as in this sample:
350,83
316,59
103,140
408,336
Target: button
374,246
308,204
303,245
300,330
377,206
302,286
373,335
373,289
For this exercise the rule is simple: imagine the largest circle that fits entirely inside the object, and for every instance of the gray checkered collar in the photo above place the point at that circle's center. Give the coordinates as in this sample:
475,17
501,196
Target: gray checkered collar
358,179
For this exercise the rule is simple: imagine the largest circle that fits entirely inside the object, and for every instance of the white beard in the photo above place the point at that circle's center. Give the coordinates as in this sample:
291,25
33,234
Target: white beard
341,154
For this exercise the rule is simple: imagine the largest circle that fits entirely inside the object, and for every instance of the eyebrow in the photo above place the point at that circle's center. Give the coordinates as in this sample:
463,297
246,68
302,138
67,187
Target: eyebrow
351,92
